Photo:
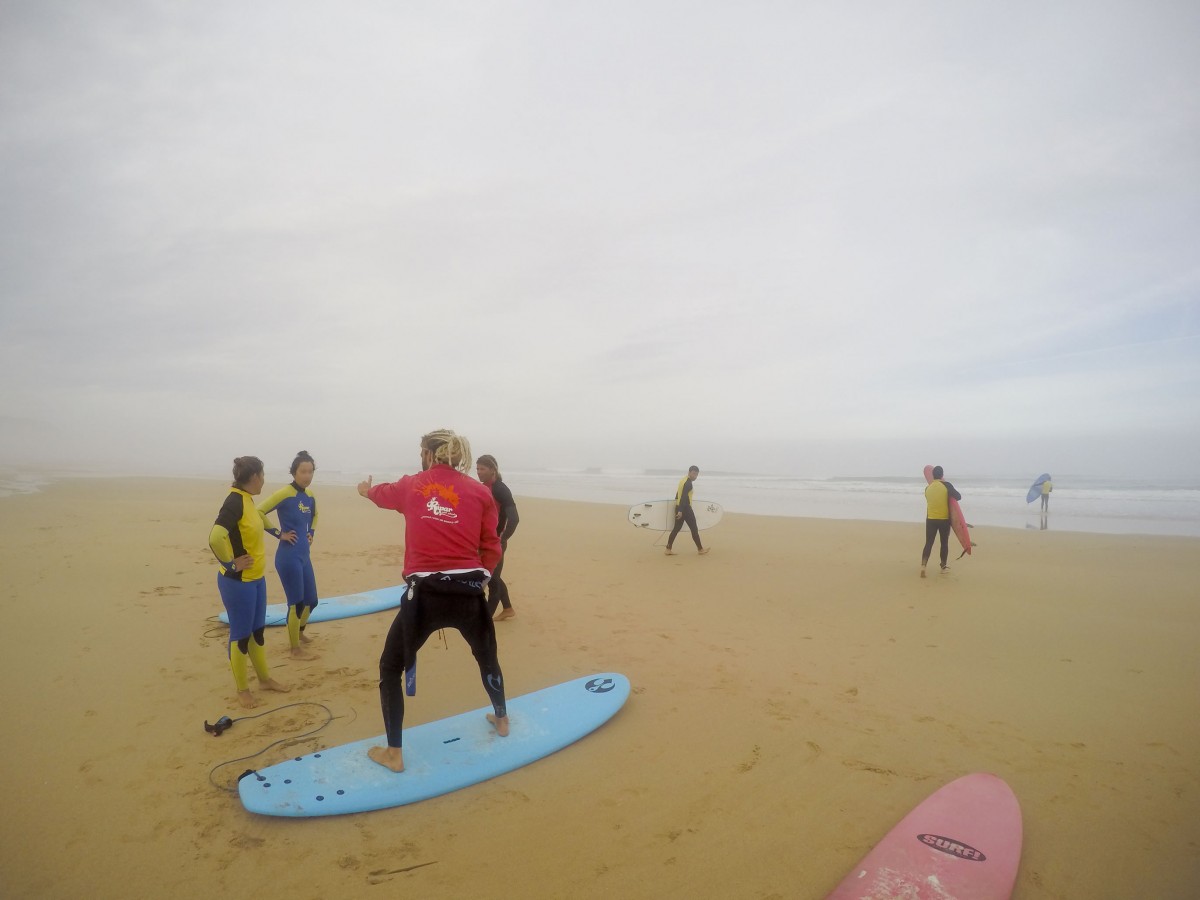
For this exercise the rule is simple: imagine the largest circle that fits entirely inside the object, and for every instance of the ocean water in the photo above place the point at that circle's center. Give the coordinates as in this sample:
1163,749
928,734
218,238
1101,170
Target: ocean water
1077,503
18,482
1106,506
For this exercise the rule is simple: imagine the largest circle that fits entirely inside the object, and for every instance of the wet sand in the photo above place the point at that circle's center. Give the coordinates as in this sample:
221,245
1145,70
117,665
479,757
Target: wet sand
795,693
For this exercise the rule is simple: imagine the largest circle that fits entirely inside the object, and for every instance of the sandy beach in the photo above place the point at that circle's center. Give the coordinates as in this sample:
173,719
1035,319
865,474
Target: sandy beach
795,693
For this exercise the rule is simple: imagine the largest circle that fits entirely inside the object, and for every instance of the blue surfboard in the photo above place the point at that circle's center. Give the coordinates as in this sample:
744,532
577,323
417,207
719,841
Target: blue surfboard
1035,490
439,757
338,607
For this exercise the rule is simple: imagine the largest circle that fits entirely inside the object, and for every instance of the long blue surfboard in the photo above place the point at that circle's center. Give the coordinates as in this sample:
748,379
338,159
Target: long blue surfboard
439,757
339,607
1035,489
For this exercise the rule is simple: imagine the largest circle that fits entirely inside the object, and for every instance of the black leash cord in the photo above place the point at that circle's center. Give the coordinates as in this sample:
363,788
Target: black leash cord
296,737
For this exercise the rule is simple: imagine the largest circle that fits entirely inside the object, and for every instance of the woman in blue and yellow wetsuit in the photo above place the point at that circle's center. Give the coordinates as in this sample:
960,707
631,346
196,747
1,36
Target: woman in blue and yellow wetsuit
237,541
297,509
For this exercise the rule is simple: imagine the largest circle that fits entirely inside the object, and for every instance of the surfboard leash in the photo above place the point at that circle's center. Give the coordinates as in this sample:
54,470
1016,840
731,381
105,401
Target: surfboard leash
224,723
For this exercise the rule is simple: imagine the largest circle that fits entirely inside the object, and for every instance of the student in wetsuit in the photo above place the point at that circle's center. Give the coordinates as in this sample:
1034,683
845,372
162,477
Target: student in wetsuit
236,540
450,549
1047,487
297,509
684,512
937,517
488,471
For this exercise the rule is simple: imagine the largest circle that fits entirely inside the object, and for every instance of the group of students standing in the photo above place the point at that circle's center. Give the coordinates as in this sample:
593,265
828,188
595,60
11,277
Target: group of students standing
237,541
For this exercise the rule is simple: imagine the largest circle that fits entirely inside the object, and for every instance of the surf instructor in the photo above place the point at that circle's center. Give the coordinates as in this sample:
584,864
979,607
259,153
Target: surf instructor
450,550
684,512
937,517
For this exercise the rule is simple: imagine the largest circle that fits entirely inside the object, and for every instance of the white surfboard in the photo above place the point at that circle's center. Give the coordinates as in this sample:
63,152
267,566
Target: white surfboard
659,515
343,607
439,757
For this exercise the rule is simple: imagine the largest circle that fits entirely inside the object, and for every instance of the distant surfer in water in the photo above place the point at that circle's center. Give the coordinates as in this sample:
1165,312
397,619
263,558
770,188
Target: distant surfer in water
937,517
1047,487
236,540
297,509
450,549
488,471
684,512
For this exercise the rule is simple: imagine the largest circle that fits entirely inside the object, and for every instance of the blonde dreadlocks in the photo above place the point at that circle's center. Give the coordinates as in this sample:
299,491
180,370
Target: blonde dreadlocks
448,448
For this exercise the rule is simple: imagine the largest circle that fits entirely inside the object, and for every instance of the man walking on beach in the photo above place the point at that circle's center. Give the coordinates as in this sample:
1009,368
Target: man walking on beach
1047,487
450,550
685,513
937,517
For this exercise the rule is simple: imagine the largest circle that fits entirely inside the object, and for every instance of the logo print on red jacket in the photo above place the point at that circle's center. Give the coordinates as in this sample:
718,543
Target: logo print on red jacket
440,499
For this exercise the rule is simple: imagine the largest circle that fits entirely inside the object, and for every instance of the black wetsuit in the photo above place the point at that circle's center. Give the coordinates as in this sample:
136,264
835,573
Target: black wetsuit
935,525
433,602
507,507
683,504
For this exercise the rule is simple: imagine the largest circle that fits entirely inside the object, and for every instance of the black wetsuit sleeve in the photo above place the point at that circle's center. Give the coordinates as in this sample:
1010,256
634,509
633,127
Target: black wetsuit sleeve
508,510
511,521
950,491
228,518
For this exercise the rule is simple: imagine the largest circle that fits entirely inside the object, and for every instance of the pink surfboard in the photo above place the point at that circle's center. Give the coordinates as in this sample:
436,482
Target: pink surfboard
958,522
963,842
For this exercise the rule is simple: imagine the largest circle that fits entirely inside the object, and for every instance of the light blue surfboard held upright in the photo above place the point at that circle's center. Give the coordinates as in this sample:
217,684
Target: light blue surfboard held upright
439,757
1035,489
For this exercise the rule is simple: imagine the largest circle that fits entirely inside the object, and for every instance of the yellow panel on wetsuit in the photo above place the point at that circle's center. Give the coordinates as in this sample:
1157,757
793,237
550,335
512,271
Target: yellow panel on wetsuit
937,500
682,492
238,531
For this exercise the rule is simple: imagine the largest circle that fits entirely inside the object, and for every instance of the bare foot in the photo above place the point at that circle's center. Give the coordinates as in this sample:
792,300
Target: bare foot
922,571
388,757
305,639
501,724
670,552
702,550
247,700
272,685
506,614
301,653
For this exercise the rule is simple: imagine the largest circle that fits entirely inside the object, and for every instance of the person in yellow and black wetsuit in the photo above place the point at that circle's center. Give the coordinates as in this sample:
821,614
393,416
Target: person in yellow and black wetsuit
684,512
937,517
236,540
297,509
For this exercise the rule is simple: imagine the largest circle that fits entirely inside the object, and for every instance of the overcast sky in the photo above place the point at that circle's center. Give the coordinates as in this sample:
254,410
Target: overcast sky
825,238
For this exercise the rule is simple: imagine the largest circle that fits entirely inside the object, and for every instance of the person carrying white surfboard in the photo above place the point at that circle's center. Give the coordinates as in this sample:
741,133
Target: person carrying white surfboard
937,517
450,550
684,512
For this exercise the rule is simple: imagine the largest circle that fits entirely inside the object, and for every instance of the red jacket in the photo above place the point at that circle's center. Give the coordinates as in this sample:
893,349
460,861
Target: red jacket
449,520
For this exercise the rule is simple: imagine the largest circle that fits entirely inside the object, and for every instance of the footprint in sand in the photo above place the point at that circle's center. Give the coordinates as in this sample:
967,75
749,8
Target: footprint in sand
752,761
